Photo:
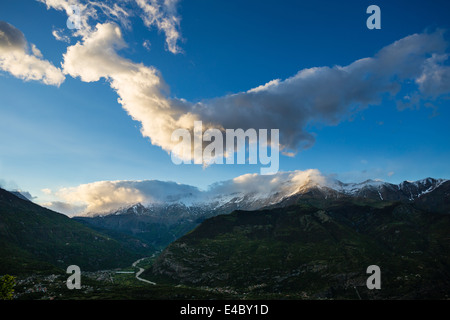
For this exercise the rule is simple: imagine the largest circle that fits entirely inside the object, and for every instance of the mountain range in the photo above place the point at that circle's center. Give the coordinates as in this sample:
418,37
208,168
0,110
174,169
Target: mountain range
307,251
284,238
251,192
160,223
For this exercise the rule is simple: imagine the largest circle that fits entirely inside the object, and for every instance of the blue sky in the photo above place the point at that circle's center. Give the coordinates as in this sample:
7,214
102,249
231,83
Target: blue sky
55,137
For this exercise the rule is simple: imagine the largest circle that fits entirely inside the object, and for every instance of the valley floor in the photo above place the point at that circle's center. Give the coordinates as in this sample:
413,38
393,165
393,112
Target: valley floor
115,284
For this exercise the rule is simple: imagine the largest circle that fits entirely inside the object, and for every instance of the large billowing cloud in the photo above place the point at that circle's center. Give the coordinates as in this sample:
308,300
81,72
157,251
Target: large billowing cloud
327,95
322,95
140,88
24,61
106,196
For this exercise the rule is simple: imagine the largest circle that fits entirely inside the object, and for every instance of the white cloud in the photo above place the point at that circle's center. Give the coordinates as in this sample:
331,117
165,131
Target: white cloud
46,191
16,59
163,15
106,196
86,12
140,88
114,12
147,44
265,87
58,34
36,51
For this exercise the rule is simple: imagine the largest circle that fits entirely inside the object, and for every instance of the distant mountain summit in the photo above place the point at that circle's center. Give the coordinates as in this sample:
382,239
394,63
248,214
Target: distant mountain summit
374,190
405,191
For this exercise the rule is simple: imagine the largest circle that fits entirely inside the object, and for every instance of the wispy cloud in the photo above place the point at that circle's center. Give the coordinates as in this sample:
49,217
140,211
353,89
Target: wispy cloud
86,11
147,45
159,14
163,15
60,36
63,207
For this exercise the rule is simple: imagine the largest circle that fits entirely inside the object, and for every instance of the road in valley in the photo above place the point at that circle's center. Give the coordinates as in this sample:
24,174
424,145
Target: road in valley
140,271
